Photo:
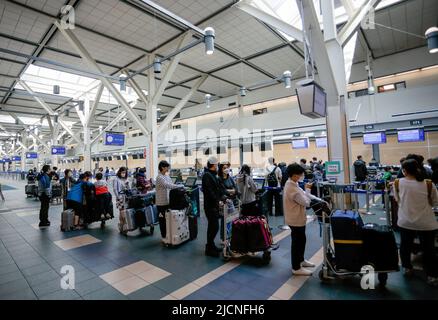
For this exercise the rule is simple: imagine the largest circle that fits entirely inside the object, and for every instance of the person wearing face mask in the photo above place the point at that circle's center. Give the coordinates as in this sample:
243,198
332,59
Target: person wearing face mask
120,185
163,185
248,189
66,184
213,200
295,201
227,183
75,199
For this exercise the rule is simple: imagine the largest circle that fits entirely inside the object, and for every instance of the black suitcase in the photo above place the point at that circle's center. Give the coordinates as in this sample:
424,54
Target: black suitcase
193,227
140,218
379,247
178,199
347,237
30,189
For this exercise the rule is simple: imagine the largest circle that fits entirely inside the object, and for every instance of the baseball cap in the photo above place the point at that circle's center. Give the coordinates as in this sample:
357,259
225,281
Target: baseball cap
212,160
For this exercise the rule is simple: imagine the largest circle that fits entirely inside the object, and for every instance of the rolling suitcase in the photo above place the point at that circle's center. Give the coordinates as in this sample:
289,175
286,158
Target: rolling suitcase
177,227
30,190
151,214
140,217
347,237
239,236
129,219
258,233
193,227
379,247
67,220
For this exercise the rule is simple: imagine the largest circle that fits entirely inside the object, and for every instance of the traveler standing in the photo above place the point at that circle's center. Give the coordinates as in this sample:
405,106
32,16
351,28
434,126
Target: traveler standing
163,186
360,169
75,199
415,198
213,201
227,183
120,186
44,193
66,183
247,189
273,180
142,184
295,201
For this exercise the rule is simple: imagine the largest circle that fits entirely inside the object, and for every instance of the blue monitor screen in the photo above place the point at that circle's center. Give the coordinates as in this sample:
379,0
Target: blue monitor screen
114,139
300,144
58,150
31,155
411,135
374,138
321,142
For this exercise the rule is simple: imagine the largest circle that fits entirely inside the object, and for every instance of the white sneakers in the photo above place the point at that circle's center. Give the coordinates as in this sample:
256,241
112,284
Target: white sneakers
302,271
307,264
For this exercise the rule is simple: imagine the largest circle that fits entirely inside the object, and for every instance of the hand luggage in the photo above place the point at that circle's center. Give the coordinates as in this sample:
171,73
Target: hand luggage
177,227
193,227
380,247
127,220
178,199
140,217
394,212
67,220
239,236
151,214
259,234
347,237
30,189
56,191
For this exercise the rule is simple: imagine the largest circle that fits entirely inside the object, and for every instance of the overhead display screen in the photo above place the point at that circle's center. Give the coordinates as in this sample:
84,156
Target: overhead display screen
374,138
321,142
300,143
410,135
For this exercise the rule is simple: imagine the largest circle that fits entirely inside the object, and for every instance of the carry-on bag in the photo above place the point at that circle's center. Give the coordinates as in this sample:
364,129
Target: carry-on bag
178,199
177,227
151,214
67,220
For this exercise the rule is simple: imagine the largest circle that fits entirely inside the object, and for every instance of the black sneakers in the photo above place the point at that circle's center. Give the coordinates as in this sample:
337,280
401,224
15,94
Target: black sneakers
44,224
212,251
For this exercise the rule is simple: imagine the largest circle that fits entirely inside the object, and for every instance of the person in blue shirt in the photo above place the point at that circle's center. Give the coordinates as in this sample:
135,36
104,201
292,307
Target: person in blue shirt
75,198
44,193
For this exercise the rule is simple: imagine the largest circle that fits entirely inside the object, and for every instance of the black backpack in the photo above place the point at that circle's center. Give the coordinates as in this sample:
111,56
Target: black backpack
178,199
272,178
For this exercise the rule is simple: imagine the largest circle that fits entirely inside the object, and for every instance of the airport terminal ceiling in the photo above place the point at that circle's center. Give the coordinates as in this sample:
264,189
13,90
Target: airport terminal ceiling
120,34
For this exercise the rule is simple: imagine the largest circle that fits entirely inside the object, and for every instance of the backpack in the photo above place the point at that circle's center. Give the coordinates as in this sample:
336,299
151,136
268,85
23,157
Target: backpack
429,188
178,199
272,178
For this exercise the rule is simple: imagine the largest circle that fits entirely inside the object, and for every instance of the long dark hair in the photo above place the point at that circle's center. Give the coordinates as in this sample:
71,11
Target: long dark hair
412,168
119,172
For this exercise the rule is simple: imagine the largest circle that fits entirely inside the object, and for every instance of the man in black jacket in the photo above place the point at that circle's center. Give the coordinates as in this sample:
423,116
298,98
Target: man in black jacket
360,169
213,200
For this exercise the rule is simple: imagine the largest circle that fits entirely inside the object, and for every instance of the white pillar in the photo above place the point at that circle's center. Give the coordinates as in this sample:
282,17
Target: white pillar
23,151
87,138
151,118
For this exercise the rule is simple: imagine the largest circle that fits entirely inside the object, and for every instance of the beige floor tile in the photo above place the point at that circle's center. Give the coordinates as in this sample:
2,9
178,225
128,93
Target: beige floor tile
86,239
130,285
204,280
116,276
67,244
169,297
154,275
185,291
139,267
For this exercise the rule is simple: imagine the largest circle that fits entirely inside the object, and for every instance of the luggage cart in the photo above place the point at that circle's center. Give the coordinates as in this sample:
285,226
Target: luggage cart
128,196
228,216
329,270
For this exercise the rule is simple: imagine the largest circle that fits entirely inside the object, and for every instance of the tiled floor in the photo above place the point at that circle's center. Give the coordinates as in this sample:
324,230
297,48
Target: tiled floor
110,266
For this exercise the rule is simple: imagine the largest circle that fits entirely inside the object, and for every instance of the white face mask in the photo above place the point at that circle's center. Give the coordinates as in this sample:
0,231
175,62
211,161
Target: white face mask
227,171
301,179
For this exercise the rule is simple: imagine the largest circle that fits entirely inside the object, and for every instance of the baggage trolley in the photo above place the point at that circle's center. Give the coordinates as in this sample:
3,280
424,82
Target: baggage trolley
329,270
130,195
228,216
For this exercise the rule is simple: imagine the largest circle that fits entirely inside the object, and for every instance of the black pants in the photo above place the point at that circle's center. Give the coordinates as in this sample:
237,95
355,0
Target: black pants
212,228
298,246
162,219
427,242
44,210
77,207
275,195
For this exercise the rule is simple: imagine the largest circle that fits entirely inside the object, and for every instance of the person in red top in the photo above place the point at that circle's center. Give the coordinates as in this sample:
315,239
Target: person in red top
103,198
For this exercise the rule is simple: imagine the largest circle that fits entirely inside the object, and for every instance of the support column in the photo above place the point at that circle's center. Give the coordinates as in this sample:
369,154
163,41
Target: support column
376,152
240,117
23,150
151,118
87,138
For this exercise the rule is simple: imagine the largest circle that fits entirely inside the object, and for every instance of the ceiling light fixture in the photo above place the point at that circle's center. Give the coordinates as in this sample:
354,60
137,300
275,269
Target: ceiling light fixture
157,65
242,91
209,40
56,89
208,100
287,79
122,82
56,117
432,39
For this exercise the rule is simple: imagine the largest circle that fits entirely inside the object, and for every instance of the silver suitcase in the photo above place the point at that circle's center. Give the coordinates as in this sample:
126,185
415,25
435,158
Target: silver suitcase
67,220
177,227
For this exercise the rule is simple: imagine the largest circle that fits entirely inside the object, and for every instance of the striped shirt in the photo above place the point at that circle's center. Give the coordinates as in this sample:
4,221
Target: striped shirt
163,185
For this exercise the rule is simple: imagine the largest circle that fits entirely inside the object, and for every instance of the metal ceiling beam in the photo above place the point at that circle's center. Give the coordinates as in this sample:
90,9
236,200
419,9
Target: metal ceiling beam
353,23
41,142
114,122
180,105
50,111
46,38
88,59
94,106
